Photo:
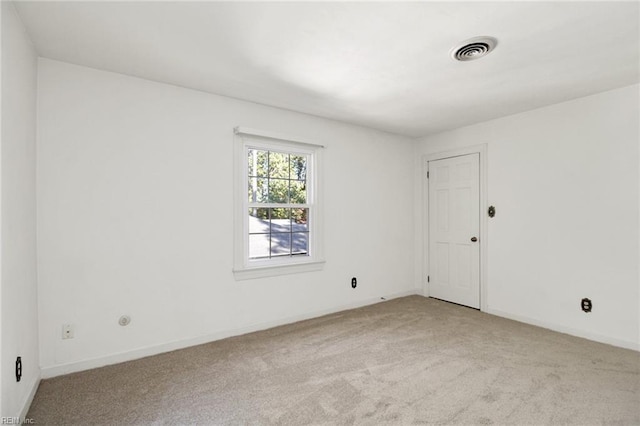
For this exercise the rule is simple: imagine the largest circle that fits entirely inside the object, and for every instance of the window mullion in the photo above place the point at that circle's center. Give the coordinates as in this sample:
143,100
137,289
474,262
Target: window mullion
279,205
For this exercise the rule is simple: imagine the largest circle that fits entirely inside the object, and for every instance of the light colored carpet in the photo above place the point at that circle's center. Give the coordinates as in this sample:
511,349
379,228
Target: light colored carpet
406,361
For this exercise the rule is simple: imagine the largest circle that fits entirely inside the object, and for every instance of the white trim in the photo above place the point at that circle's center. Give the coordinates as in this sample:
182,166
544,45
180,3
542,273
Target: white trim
238,214
474,149
424,253
58,370
29,399
601,338
275,270
241,130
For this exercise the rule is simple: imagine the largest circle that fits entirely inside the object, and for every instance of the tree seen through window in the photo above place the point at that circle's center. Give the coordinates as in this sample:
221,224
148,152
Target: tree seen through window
278,211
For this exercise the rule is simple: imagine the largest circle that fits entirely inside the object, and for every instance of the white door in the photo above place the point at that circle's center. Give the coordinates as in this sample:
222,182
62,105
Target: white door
454,227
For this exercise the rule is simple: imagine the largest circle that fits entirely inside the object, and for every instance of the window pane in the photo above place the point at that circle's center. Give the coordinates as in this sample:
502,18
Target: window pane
298,192
251,165
257,190
280,244
281,220
278,190
300,220
258,221
298,166
278,165
258,162
258,246
300,242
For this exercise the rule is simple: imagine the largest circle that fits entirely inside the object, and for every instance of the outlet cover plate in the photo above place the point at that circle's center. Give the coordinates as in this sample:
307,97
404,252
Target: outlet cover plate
68,331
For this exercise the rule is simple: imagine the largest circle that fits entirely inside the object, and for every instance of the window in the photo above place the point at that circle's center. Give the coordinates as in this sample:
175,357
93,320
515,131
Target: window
278,223
278,209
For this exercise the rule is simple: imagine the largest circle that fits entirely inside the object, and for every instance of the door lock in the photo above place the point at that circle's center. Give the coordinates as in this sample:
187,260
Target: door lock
474,239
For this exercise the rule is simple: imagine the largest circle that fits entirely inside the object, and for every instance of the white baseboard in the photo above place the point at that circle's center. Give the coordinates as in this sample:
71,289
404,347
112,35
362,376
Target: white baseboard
568,330
58,370
29,399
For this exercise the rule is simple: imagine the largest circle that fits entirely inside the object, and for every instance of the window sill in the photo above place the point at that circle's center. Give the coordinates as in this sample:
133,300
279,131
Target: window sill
275,270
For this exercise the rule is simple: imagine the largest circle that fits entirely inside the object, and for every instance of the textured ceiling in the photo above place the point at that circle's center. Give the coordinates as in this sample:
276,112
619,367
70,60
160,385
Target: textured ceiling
381,65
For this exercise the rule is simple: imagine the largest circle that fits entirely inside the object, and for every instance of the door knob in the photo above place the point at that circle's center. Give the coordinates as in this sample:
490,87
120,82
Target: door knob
474,239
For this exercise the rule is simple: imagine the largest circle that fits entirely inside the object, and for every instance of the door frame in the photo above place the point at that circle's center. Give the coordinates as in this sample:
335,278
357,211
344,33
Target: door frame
481,150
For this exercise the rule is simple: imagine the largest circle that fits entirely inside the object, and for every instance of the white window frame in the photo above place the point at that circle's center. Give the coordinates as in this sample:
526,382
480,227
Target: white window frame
245,268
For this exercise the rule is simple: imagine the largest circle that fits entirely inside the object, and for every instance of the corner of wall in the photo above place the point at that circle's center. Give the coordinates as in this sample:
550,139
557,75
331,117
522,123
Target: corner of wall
418,221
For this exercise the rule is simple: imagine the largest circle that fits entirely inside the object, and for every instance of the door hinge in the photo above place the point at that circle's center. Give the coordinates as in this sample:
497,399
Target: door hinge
428,278
427,174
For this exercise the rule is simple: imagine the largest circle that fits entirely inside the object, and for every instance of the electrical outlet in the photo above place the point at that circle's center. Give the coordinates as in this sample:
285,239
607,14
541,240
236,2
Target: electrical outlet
67,331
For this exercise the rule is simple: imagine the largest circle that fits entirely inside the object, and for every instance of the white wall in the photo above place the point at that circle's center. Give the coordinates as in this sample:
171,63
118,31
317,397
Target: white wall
18,216
564,180
135,213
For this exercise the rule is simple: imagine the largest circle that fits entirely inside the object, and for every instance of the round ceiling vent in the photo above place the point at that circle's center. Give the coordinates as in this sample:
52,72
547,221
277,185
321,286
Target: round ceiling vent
474,48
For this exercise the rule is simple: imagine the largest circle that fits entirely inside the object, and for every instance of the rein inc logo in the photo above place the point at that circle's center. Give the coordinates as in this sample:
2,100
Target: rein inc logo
16,421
